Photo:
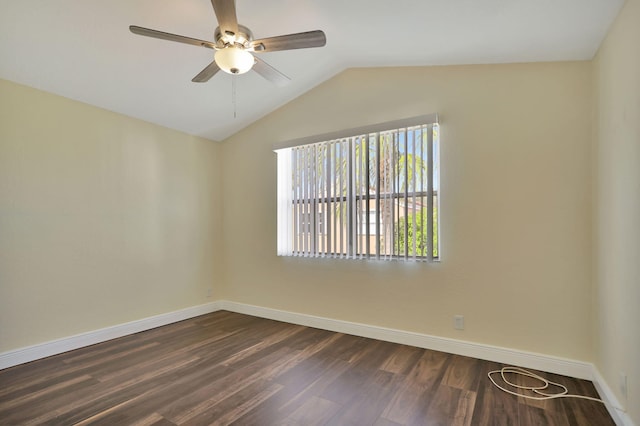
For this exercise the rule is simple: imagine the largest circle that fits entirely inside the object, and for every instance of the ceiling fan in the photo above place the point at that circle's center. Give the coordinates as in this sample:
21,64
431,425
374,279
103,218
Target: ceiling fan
234,45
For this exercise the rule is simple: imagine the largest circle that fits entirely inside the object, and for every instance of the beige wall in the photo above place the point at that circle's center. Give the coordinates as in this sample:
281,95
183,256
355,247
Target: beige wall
617,206
515,207
104,219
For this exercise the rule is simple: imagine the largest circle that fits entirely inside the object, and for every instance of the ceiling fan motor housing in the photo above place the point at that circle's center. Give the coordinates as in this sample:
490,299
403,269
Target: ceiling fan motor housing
242,38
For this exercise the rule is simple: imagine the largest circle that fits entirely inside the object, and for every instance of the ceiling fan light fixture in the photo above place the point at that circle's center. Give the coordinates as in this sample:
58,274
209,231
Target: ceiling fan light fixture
234,60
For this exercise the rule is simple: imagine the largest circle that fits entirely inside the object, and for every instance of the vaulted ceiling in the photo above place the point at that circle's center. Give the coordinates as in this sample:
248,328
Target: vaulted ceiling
83,50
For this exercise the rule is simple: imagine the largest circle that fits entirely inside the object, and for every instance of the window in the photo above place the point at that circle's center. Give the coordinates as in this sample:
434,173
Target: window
373,218
371,195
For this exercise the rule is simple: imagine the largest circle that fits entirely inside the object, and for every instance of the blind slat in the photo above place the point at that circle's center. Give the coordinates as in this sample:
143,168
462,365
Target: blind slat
430,194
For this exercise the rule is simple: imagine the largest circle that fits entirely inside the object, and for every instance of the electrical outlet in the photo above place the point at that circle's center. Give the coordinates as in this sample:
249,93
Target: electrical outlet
209,292
622,379
458,322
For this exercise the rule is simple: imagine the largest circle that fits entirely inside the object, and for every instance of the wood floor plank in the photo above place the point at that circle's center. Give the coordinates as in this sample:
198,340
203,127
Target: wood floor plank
346,386
367,405
430,368
402,360
112,395
299,386
23,410
229,368
23,399
448,406
417,387
384,422
192,379
189,406
462,372
493,406
236,405
346,347
533,416
579,411
154,419
267,341
314,411
307,372
270,411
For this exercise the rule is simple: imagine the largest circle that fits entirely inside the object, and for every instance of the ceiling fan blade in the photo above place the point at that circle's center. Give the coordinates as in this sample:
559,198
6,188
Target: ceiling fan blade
208,72
270,73
171,37
225,11
290,41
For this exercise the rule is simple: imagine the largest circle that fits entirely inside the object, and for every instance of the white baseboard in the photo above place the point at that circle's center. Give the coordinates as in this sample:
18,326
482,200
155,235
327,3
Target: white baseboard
618,413
54,347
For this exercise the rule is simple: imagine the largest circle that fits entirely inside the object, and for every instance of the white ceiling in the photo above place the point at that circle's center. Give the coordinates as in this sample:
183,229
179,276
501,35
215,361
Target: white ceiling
83,50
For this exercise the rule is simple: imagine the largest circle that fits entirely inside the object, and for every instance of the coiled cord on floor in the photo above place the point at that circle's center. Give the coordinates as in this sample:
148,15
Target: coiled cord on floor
541,391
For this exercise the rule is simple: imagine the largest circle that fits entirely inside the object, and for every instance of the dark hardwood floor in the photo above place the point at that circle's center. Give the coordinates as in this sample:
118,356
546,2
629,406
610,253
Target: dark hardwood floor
226,368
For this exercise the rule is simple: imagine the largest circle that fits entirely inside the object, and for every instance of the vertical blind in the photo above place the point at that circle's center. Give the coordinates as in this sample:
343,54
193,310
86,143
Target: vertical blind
369,196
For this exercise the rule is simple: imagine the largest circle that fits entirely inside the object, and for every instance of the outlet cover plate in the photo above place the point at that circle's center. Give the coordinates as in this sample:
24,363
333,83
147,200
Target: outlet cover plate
458,322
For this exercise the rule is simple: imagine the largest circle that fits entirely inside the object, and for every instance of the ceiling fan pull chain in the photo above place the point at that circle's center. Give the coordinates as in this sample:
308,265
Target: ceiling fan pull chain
233,94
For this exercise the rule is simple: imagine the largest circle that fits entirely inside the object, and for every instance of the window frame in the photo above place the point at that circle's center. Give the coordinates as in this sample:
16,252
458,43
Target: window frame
364,135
